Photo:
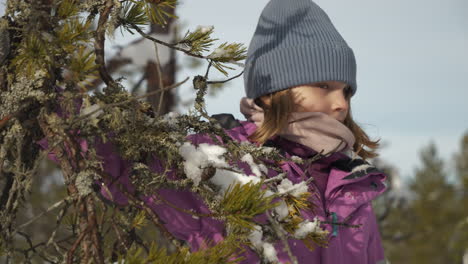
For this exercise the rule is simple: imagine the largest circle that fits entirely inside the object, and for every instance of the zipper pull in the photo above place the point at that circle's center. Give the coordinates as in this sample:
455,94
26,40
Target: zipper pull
335,227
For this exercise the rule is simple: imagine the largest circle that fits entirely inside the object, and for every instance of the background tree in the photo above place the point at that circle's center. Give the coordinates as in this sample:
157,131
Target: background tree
428,223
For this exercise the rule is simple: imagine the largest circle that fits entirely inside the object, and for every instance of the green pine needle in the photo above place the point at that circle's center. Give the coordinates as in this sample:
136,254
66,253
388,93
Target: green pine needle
227,53
198,41
226,251
241,203
133,14
68,8
154,10
32,55
82,66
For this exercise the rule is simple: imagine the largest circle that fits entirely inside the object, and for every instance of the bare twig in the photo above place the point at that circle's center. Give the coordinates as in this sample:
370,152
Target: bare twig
208,69
95,234
45,244
57,224
72,250
28,239
131,100
160,79
136,87
227,80
154,218
99,44
172,46
56,205
278,177
282,237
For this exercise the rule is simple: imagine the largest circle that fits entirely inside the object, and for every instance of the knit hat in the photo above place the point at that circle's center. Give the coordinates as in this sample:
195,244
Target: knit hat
295,43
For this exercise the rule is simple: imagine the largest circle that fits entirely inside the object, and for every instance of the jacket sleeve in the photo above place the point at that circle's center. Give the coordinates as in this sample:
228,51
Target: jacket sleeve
375,251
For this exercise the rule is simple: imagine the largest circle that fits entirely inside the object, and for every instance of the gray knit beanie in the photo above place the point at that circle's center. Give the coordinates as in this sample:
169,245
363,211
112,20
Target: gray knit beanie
295,43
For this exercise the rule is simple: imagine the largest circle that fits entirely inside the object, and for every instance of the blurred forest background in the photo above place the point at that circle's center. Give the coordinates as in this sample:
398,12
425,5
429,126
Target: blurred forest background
423,219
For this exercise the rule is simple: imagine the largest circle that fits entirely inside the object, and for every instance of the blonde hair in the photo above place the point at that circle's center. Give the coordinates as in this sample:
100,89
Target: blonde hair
281,105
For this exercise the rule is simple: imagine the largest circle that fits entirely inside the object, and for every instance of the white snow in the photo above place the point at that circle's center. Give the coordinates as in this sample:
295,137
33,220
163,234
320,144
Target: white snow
269,252
263,168
286,186
306,227
196,159
267,150
205,155
204,29
255,236
362,167
282,210
247,158
296,159
219,53
171,118
224,178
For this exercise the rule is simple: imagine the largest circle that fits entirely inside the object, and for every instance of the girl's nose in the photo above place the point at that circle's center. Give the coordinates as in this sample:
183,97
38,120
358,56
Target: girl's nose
340,104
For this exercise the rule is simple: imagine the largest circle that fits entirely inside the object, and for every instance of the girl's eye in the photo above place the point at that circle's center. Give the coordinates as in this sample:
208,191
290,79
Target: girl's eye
324,86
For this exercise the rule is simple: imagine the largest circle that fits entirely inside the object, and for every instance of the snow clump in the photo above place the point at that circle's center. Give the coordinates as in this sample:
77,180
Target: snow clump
269,251
247,158
204,29
226,178
171,118
282,210
286,186
306,227
198,158
255,236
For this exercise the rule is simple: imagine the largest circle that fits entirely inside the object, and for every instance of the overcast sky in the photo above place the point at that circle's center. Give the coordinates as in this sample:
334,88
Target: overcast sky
412,66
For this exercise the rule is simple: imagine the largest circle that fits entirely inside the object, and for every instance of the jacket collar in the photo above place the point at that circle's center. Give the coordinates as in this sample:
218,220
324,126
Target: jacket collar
351,182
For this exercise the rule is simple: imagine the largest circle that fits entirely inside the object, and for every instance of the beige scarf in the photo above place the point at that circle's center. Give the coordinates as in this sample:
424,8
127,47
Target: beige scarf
315,130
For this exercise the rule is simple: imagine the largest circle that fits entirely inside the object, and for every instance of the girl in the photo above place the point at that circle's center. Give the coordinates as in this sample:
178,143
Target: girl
300,76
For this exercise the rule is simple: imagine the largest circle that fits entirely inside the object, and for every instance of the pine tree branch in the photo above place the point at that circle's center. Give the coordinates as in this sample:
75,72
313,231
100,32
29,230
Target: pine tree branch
86,218
57,224
172,46
213,82
31,247
130,100
153,216
75,245
137,86
160,77
95,234
208,69
99,44
56,205
280,234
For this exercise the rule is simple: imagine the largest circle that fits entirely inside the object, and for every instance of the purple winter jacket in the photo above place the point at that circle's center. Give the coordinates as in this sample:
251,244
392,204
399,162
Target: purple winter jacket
347,198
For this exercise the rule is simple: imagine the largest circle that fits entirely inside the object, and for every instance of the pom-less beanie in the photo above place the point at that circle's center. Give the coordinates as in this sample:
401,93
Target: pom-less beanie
295,43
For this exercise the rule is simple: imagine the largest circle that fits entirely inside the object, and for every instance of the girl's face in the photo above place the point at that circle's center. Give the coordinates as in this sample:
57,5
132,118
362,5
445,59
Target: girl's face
329,97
